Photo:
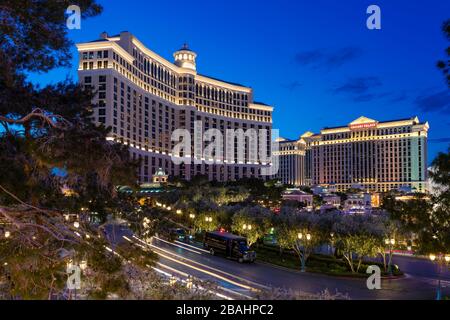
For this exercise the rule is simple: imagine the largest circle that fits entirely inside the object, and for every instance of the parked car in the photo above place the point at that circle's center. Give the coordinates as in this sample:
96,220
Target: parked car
179,234
230,245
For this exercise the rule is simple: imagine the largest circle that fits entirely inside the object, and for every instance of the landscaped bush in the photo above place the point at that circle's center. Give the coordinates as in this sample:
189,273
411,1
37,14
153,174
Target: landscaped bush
316,263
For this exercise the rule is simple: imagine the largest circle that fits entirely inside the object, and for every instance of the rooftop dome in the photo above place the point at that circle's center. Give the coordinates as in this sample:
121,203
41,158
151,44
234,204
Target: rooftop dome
185,58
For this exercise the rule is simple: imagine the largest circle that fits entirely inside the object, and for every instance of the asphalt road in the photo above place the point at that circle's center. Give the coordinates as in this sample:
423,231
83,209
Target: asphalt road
420,267
178,258
409,287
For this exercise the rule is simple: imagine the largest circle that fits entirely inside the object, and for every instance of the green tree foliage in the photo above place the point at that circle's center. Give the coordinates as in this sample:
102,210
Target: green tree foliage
42,129
252,222
358,236
444,65
206,221
298,231
47,128
427,216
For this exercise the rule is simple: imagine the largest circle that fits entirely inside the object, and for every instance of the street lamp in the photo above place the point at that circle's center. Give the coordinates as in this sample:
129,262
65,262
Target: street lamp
189,283
332,242
83,265
247,227
300,237
76,224
192,216
7,234
441,259
172,280
208,219
390,243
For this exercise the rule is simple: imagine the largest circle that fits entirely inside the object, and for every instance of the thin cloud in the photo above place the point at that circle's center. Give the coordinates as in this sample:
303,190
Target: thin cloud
358,85
292,85
435,102
321,58
398,98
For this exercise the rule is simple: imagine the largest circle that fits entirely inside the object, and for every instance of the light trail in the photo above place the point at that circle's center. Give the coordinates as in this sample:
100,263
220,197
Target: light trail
187,275
182,247
220,295
189,245
203,270
205,266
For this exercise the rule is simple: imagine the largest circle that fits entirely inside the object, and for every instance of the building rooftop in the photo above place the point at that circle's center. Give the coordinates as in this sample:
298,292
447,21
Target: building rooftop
387,121
229,82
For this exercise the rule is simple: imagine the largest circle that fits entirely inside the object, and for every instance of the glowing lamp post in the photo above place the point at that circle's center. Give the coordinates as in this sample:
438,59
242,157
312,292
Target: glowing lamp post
390,243
332,242
189,283
441,259
307,237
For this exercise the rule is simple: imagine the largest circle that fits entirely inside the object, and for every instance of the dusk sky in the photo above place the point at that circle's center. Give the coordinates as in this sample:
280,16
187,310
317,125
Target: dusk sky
314,61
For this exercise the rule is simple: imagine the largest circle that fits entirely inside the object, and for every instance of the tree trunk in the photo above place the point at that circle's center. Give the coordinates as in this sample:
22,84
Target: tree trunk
359,264
350,261
303,262
383,255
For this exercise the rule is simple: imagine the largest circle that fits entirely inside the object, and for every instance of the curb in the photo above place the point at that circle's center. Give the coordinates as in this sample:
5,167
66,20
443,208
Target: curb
329,275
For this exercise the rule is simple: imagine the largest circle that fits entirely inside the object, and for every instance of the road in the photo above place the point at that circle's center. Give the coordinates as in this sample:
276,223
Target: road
244,279
420,267
409,287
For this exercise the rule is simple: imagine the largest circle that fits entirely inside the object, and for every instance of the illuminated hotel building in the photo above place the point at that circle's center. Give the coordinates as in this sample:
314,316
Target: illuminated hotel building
368,154
376,156
292,166
144,98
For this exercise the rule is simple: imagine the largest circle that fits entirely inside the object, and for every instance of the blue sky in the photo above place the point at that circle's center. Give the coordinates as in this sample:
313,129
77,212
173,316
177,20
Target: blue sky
314,61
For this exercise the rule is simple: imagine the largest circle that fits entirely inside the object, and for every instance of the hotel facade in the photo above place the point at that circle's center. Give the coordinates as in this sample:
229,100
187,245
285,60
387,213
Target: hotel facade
292,162
144,98
376,156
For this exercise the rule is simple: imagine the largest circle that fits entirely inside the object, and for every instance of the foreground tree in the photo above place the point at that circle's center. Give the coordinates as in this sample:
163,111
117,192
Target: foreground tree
298,231
444,65
252,222
357,236
57,170
427,217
